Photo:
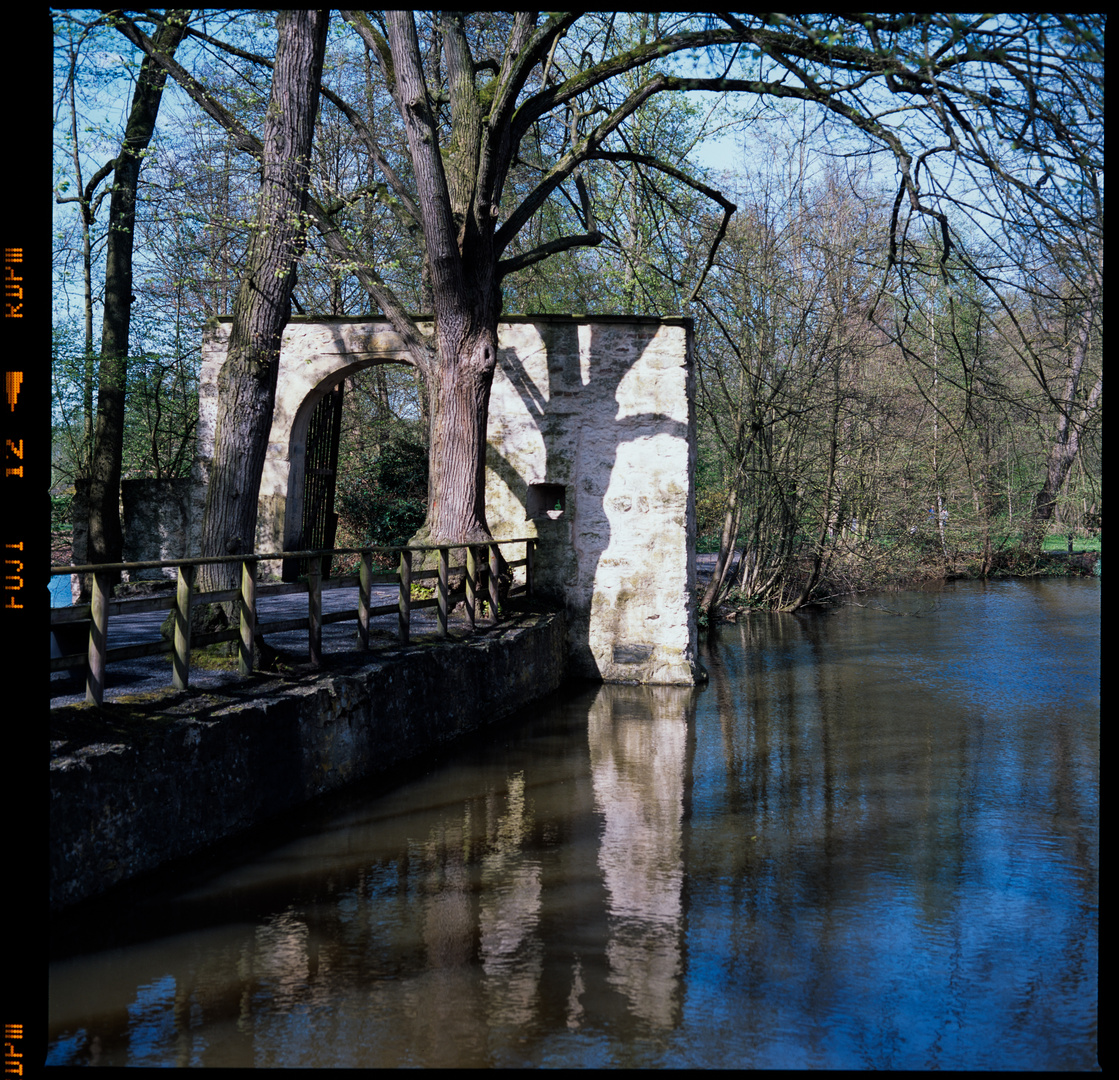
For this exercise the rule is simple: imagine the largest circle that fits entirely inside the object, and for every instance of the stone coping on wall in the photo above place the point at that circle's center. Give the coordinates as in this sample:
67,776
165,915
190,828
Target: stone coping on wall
149,779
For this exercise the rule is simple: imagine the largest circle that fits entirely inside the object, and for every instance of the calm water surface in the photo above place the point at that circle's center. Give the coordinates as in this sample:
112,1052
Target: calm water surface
871,842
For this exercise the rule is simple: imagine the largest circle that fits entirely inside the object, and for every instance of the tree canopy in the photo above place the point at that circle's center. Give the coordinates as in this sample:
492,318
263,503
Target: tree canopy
487,144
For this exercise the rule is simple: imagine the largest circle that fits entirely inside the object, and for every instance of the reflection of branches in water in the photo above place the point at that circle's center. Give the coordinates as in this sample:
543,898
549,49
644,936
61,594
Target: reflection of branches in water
914,613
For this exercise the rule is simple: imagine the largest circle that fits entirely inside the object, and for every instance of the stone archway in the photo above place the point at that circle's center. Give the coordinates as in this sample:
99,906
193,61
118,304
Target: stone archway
316,421
310,520
314,357
591,451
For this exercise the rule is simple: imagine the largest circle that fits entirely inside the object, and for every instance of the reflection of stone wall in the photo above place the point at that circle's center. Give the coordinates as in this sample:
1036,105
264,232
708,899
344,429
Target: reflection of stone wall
591,451
156,522
638,748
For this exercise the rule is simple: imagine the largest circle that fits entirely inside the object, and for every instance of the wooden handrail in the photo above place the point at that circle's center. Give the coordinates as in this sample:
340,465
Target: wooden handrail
247,595
273,556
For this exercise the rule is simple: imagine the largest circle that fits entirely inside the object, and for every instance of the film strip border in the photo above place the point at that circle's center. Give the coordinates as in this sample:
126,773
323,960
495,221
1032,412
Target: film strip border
25,457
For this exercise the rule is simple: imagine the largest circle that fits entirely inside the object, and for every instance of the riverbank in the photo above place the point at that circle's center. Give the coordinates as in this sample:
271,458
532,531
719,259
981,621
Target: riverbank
919,566
1008,563
151,778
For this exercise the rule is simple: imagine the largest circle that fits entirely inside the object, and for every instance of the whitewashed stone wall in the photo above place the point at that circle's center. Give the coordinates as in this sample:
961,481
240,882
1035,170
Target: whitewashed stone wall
598,416
591,451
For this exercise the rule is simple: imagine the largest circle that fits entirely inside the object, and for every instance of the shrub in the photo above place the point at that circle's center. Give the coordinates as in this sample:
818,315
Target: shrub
384,501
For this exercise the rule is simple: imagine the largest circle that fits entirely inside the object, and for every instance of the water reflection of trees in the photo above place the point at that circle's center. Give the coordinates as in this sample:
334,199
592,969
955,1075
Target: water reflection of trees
910,831
838,867
511,949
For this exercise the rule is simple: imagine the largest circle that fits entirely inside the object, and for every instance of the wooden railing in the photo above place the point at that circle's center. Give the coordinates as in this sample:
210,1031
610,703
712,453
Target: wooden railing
481,582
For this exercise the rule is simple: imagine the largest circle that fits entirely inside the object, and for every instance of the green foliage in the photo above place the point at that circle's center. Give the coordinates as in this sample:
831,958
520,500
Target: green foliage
60,513
161,405
1058,542
383,500
429,592
710,505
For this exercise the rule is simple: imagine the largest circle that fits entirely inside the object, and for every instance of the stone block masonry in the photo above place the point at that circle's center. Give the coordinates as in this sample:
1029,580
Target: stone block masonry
156,522
592,450
141,783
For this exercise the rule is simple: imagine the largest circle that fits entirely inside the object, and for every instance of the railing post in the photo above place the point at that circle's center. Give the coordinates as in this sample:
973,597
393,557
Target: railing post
444,566
530,552
364,589
248,616
405,593
471,585
494,569
180,658
314,609
98,629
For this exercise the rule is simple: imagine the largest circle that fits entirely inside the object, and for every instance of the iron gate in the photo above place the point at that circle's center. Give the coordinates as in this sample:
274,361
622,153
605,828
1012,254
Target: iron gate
320,469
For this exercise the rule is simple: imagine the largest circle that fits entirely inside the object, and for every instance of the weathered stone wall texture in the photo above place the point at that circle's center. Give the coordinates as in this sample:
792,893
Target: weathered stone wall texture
156,523
598,415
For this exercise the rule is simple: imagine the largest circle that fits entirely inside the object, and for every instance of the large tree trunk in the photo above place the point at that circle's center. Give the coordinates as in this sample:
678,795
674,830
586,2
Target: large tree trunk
458,226
106,541
247,381
456,502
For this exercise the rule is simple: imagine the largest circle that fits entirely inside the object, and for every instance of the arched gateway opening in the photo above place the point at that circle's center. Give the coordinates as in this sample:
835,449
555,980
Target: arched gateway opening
296,492
590,450
323,422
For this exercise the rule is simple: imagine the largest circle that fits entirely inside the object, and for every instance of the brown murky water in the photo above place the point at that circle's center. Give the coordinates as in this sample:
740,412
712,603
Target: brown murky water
871,842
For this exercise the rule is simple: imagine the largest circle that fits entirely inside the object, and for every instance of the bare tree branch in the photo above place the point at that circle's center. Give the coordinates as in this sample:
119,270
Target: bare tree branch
552,247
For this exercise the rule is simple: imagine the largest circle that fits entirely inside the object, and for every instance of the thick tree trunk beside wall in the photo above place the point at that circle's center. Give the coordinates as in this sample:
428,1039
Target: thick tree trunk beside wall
247,383
456,508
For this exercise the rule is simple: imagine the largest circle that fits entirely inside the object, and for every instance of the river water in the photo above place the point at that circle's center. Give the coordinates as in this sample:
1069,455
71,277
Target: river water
872,841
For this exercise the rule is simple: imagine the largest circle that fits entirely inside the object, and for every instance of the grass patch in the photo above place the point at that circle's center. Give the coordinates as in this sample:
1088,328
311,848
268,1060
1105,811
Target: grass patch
1059,542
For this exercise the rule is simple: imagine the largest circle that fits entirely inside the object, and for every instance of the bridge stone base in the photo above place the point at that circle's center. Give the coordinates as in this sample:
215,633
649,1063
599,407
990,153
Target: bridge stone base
175,772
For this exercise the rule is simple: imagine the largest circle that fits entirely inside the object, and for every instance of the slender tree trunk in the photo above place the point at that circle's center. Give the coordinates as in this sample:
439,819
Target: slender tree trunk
106,540
88,212
829,516
721,575
88,361
262,307
1066,445
79,508
940,513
